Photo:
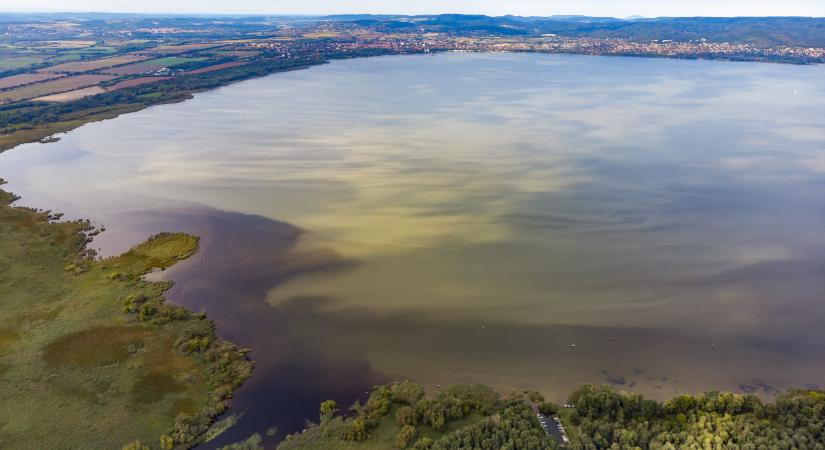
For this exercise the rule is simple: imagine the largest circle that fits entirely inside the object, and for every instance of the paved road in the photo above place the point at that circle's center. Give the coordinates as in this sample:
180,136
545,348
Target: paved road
553,428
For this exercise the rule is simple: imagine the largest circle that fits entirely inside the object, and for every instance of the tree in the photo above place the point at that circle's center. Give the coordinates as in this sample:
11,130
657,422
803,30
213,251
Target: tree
135,445
357,430
406,392
328,410
423,443
166,442
548,408
535,397
407,432
405,416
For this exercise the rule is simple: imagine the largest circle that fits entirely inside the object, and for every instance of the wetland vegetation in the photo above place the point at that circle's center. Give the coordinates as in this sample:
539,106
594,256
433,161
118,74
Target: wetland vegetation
91,356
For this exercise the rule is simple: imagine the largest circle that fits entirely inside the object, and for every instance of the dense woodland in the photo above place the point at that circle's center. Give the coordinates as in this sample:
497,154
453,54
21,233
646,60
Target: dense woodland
400,416
475,417
607,419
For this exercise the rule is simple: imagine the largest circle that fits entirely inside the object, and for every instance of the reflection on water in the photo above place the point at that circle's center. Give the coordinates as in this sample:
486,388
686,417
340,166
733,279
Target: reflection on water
469,217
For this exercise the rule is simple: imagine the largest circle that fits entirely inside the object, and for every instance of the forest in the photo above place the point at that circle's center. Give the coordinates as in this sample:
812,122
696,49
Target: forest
718,420
597,417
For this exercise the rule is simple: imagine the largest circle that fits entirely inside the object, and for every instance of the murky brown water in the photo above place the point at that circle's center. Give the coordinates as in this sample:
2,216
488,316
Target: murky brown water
467,217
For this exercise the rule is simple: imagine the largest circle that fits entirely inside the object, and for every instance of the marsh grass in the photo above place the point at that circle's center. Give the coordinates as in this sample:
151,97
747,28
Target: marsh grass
76,370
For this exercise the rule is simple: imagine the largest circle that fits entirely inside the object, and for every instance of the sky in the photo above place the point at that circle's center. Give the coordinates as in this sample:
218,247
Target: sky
615,8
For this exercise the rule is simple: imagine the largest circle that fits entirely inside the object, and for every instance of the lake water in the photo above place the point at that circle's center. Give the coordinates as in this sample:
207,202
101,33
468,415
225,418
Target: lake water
525,221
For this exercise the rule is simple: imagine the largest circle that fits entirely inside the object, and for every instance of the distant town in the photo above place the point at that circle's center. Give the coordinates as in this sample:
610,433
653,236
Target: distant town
701,49
58,71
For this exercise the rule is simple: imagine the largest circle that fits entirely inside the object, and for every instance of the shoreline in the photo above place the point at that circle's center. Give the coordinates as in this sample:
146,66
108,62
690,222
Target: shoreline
174,357
46,133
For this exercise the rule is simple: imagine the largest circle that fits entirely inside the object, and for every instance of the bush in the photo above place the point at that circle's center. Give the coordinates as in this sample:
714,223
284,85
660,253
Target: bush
132,302
548,408
166,442
406,392
328,410
136,445
535,397
405,416
357,430
423,444
404,436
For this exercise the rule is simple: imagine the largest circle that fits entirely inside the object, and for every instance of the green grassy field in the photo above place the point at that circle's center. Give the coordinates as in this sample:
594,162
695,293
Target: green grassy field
19,62
151,65
90,355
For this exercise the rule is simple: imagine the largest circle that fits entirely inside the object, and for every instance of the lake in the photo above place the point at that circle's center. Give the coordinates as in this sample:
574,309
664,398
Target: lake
526,221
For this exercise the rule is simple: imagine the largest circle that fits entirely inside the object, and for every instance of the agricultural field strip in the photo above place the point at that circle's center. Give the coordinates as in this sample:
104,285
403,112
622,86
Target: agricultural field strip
150,65
88,66
215,67
19,62
132,82
76,94
177,49
52,87
24,79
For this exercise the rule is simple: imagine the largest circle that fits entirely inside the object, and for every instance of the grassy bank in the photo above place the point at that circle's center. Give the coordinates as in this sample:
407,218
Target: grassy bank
90,354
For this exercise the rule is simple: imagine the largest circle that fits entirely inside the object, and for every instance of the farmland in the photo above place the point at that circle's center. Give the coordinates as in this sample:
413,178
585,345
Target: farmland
150,65
76,94
132,82
51,87
81,54
70,44
88,66
235,53
26,78
20,62
216,67
178,49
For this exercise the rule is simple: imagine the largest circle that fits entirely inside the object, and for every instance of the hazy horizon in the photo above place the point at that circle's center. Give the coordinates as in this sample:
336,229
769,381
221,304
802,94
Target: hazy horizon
606,8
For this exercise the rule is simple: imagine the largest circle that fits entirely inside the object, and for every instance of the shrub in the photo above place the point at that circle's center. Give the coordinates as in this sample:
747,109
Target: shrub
405,416
406,392
133,302
328,410
548,408
423,444
135,445
535,397
404,436
357,430
114,276
166,442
